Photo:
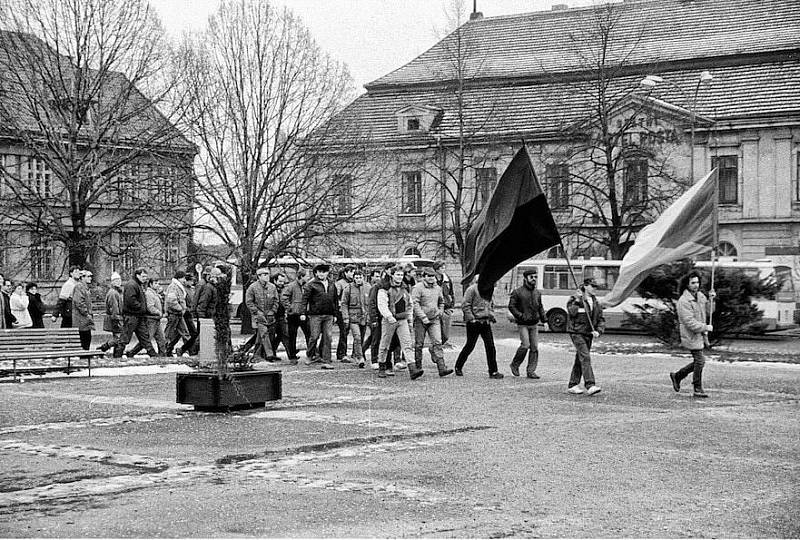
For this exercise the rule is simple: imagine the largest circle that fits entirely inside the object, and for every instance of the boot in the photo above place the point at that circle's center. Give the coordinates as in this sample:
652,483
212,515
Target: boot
414,371
519,357
699,392
382,371
443,371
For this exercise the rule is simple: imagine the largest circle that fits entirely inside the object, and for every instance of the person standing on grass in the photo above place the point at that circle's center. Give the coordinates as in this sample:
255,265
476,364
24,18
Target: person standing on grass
19,306
478,317
693,316
113,319
82,309
525,304
36,307
585,322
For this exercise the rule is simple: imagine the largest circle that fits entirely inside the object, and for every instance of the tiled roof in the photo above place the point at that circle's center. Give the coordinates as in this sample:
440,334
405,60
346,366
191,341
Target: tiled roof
764,89
650,31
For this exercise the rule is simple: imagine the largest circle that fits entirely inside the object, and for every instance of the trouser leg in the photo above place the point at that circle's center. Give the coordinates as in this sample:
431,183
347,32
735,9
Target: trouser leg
419,341
129,323
326,338
446,319
533,355
341,346
86,339
697,368
376,342
387,333
356,331
488,345
293,323
406,344
583,360
472,338
143,335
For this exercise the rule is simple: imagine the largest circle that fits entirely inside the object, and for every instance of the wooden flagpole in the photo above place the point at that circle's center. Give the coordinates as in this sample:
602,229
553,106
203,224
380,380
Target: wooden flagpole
714,238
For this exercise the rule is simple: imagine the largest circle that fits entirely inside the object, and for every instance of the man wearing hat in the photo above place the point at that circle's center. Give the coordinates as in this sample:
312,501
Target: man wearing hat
113,320
82,309
262,300
584,323
319,306
428,302
525,304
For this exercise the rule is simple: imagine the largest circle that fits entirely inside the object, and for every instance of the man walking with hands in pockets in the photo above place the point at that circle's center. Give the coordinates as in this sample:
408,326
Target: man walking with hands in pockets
525,305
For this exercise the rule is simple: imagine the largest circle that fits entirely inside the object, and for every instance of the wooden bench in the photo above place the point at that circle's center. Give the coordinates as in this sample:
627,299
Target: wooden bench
43,344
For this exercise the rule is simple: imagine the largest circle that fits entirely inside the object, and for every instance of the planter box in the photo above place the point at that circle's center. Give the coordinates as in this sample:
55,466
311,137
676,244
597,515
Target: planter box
244,390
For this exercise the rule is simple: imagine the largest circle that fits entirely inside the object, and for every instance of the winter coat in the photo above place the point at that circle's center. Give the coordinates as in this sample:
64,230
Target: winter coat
113,321
82,308
8,318
155,309
134,301
395,301
205,300
64,304
354,304
341,285
525,305
578,322
19,308
446,284
36,310
318,301
428,302
175,299
262,301
475,307
292,298
693,318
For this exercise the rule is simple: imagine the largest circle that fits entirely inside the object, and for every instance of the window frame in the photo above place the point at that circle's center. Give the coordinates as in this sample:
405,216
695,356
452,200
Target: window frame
635,186
718,161
485,177
41,260
406,194
342,200
557,185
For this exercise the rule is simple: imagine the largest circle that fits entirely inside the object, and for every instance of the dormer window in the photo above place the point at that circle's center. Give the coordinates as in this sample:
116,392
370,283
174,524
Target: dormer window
417,118
412,124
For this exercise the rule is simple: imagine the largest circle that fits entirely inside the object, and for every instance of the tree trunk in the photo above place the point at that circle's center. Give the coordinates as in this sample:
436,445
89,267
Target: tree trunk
247,322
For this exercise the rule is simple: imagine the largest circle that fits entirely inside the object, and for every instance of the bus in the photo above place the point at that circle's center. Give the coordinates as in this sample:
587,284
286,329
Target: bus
556,285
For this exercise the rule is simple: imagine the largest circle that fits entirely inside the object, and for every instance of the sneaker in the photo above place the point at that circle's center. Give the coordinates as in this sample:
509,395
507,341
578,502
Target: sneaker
375,365
594,389
575,389
533,376
400,365
676,384
390,372
514,370
496,375
326,365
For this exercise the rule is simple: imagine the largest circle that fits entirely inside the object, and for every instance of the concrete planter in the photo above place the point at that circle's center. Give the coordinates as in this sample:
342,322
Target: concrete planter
242,390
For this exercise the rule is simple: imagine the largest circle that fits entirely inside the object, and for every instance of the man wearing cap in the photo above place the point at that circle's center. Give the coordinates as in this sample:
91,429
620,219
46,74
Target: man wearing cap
525,304
584,323
428,302
262,300
319,306
82,309
113,320
341,284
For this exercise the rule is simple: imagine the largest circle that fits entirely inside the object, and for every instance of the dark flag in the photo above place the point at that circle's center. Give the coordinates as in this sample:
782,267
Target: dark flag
514,226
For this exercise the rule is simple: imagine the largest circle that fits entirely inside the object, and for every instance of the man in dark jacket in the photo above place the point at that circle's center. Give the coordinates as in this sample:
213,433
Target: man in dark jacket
8,319
585,322
292,299
525,305
114,321
319,305
262,301
281,327
35,305
134,314
344,329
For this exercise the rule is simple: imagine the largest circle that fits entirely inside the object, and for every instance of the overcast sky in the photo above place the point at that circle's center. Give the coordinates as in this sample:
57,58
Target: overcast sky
373,37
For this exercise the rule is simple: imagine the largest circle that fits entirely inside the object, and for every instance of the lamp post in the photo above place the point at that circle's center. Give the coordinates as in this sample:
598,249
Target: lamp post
705,78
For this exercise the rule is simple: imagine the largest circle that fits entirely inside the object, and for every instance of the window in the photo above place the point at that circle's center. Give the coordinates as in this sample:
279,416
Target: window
412,193
412,251
342,195
127,182
40,177
130,252
634,182
604,276
557,185
412,124
728,178
170,253
556,252
485,180
726,249
557,277
41,260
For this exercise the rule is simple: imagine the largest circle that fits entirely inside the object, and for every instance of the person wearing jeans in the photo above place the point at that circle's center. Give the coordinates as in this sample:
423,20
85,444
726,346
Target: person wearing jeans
585,323
428,302
693,315
354,307
394,305
292,299
319,305
478,316
525,304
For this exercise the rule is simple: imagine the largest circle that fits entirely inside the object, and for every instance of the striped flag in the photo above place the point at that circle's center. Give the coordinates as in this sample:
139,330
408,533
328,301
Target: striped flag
685,229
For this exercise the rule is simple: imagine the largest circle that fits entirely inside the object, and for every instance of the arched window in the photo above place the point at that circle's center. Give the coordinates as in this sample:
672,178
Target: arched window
556,252
343,252
412,251
726,249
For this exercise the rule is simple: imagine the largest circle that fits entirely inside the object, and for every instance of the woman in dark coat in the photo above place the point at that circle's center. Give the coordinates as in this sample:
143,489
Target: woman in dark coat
35,305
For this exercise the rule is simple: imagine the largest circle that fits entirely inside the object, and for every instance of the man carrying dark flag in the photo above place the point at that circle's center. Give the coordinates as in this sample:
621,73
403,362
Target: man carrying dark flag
515,225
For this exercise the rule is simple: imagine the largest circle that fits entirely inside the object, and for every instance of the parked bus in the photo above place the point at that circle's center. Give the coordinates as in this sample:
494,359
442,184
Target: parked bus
556,285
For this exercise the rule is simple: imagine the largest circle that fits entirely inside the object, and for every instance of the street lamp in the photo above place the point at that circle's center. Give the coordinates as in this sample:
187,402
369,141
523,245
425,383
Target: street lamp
705,78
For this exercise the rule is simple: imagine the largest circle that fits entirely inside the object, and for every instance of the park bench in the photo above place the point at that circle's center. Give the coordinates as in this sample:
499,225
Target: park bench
42,344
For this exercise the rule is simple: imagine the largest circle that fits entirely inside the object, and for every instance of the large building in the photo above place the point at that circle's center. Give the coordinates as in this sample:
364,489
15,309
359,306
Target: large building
620,105
87,163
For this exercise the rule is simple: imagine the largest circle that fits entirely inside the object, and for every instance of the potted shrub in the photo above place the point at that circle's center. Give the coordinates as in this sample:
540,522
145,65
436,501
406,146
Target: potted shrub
233,383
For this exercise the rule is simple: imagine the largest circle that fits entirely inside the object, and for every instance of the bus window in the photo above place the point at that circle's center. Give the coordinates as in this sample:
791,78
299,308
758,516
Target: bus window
605,276
556,277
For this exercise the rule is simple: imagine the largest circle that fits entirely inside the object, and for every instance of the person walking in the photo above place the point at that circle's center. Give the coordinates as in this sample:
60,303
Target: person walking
585,322
190,317
428,302
292,300
525,305
64,304
354,307
478,318
281,327
446,284
82,309
155,311
396,308
262,301
20,302
113,319
205,301
134,314
319,305
176,307
7,320
36,307
693,316
343,282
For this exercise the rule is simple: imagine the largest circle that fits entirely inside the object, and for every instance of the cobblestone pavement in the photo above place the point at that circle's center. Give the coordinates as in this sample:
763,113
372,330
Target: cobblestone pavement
347,454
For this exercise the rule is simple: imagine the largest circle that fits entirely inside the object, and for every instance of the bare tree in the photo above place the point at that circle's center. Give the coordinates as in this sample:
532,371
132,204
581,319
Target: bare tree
91,149
274,173
612,172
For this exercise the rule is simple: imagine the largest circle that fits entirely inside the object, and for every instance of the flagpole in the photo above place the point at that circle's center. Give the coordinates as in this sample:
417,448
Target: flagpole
714,239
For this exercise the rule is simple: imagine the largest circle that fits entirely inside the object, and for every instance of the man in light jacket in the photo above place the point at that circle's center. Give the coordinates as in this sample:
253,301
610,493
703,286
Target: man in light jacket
113,320
428,302
64,304
354,307
693,316
176,307
478,317
262,300
82,309
525,304
395,306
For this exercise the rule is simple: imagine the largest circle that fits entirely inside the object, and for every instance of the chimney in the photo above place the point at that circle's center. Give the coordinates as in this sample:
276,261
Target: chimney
475,16
559,7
